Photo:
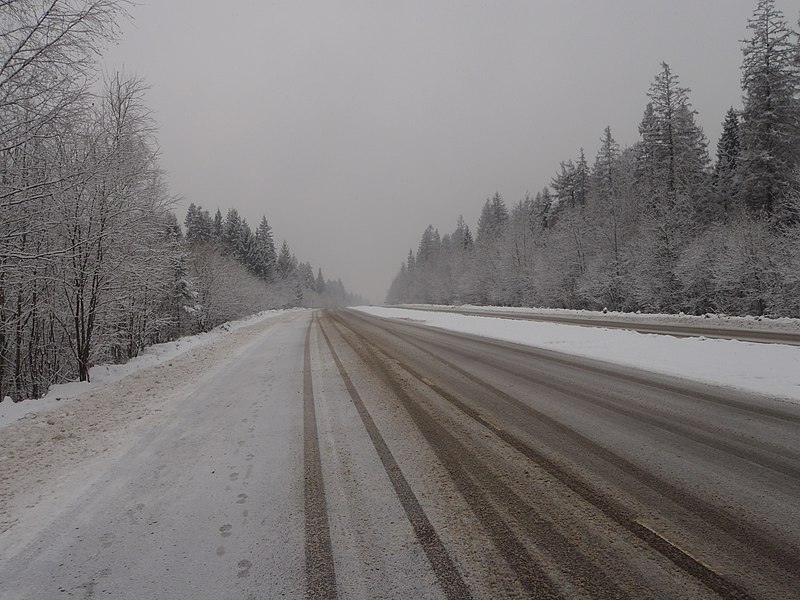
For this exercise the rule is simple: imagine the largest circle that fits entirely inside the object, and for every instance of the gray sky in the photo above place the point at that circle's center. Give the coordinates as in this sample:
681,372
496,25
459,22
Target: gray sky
352,125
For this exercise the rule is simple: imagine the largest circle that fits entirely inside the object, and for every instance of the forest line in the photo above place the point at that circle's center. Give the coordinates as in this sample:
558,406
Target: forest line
94,265
654,227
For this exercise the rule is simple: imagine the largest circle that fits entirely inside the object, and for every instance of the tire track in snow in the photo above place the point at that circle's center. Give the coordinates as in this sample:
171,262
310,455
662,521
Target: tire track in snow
678,556
474,481
320,571
446,572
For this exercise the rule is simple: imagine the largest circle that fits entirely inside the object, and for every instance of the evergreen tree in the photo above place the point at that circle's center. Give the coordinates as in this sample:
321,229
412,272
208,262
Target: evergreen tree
493,219
198,224
604,174
541,216
571,185
674,145
462,236
265,249
286,265
218,226
564,184
320,283
770,127
247,248
581,179
305,274
190,221
232,235
728,151
428,246
728,147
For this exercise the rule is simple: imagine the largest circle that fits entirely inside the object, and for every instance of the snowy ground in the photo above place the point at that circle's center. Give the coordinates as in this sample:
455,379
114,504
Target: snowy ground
770,369
721,321
104,375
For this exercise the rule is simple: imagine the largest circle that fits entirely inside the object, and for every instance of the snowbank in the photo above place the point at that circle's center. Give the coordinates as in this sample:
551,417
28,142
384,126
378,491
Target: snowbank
710,320
771,369
101,375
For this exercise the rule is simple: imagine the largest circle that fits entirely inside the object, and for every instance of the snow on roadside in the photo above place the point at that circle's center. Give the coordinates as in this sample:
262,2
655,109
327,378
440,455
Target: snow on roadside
101,375
721,321
770,369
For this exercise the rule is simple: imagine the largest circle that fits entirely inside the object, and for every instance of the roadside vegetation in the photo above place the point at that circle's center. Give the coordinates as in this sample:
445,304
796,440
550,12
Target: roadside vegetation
656,226
94,265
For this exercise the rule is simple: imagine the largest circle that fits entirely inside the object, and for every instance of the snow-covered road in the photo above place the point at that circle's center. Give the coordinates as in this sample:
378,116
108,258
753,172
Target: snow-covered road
335,454
167,483
188,480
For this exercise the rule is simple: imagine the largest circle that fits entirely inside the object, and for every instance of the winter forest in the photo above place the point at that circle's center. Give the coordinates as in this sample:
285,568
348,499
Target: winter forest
654,227
94,265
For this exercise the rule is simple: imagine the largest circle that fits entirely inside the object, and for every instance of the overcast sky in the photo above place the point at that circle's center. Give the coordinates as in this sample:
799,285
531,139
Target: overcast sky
352,125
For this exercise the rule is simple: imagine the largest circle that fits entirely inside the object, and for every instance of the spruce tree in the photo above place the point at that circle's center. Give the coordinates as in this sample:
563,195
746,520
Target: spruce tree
770,128
285,262
673,143
581,179
493,219
320,283
232,233
218,226
267,257
728,151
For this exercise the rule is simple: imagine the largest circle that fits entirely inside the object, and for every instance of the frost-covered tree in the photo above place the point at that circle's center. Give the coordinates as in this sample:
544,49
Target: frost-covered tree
286,262
673,159
233,235
571,184
218,225
725,169
770,126
198,223
320,282
650,227
673,146
266,257
493,219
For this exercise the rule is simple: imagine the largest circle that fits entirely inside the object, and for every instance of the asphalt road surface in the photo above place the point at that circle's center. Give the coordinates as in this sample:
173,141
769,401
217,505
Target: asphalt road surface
337,454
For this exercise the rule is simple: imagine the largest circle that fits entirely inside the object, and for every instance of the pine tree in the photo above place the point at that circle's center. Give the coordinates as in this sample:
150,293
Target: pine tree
728,147
541,211
770,128
265,248
218,226
581,179
198,224
728,151
604,174
493,219
674,145
462,236
286,264
232,233
190,222
571,185
429,246
564,184
320,283
305,274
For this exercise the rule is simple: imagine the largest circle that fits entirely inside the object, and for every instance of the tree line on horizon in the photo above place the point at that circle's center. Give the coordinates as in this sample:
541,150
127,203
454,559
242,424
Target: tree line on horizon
653,227
226,257
94,265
